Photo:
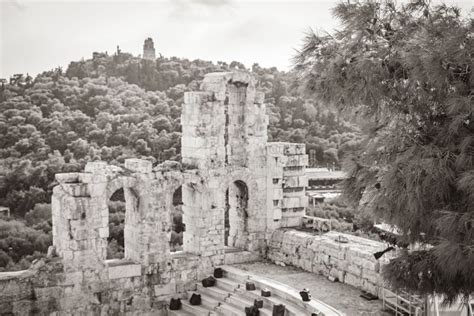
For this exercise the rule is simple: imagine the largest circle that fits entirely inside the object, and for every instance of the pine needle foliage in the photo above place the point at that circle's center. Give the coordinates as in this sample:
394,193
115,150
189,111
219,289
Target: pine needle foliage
409,70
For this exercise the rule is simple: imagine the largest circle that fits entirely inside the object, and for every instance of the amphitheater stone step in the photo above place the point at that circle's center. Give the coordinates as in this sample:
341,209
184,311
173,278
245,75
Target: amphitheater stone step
229,297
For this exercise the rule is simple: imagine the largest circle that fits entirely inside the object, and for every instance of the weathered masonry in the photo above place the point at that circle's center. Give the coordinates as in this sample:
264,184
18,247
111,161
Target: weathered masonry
237,189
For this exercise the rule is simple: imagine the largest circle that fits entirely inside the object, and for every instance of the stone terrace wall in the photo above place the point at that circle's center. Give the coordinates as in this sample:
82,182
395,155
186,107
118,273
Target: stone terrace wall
287,182
352,263
121,288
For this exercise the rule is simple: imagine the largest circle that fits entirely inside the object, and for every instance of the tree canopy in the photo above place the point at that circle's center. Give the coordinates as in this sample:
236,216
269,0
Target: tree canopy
408,69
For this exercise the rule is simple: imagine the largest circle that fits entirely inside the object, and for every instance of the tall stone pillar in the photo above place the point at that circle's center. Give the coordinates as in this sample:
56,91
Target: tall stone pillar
80,219
224,128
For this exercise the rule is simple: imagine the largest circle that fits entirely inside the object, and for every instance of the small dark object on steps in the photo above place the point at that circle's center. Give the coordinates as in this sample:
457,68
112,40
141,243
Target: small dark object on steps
252,311
218,273
250,286
175,304
195,299
209,281
305,295
278,310
368,296
258,303
266,292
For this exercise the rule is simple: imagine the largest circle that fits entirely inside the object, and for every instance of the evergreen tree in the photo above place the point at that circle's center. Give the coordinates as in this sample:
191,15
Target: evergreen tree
408,68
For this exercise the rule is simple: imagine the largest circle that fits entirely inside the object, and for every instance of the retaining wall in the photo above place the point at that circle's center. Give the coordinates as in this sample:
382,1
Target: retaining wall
351,262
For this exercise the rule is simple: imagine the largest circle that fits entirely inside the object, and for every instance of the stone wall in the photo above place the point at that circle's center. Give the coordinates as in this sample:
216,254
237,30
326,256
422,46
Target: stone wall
286,164
120,287
351,261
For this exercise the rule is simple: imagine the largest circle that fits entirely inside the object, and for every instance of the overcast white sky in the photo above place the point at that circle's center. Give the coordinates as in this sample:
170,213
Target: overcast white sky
41,35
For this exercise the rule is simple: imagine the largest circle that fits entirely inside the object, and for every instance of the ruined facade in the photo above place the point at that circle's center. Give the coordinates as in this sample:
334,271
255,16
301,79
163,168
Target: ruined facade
237,189
149,49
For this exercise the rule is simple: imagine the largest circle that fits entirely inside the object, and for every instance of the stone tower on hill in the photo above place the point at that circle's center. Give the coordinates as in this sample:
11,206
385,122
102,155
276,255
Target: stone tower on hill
149,49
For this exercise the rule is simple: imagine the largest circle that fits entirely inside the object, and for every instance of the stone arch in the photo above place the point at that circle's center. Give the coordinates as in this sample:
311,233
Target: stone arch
240,189
121,183
132,211
236,215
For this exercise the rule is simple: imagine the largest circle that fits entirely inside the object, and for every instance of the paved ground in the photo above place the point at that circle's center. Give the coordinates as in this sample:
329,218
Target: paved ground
342,297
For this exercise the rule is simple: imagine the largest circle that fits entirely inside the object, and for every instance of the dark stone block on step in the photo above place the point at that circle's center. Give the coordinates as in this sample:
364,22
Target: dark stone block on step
250,286
175,304
218,273
195,299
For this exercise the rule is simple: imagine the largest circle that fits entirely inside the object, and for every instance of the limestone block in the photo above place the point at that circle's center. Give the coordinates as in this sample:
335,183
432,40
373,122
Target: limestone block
354,270
138,165
303,201
294,171
124,271
290,221
76,189
97,167
97,189
337,254
353,280
371,288
104,232
289,149
291,202
371,276
71,177
337,274
295,181
277,214
297,160
92,178
275,149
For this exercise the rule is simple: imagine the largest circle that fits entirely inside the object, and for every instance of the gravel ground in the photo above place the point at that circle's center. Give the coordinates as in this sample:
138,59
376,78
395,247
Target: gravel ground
340,296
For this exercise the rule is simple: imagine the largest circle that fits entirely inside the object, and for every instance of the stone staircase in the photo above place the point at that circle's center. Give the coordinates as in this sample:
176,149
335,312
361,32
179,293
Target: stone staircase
229,298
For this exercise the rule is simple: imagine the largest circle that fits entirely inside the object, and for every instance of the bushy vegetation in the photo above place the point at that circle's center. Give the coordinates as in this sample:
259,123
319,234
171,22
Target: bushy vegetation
345,218
22,241
407,68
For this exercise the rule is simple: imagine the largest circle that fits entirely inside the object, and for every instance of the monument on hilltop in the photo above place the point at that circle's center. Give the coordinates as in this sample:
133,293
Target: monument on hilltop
149,49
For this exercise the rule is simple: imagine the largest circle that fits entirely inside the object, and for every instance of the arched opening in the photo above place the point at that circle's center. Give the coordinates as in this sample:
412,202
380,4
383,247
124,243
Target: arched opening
116,239
236,215
177,226
123,207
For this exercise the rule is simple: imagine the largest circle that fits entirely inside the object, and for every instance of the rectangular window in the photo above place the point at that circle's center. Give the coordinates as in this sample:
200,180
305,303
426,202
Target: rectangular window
275,180
275,202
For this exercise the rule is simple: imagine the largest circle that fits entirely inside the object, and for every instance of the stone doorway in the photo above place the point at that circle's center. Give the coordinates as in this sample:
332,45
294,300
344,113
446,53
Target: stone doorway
123,217
236,215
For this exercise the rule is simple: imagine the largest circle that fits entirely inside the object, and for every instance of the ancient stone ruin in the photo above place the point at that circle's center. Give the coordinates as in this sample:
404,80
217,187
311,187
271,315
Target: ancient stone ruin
229,174
240,194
